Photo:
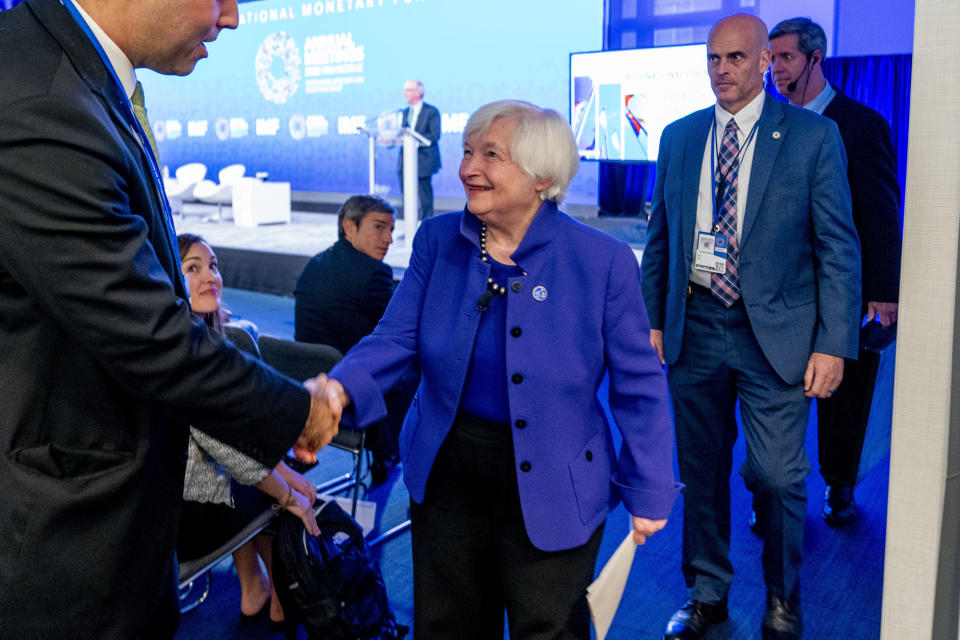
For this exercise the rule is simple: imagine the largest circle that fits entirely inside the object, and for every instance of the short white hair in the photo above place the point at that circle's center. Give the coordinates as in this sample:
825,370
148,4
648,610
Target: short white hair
542,145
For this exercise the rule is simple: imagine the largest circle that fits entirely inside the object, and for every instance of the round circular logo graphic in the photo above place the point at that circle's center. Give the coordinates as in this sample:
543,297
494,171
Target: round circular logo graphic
222,127
539,293
298,126
278,45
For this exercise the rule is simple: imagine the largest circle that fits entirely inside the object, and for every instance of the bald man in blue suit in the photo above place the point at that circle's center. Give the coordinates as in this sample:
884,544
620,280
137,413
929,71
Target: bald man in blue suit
766,322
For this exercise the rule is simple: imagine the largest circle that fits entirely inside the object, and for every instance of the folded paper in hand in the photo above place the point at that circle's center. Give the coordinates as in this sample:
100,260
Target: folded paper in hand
603,595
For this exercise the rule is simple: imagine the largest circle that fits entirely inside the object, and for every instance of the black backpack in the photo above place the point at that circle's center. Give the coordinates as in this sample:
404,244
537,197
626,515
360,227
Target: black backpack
330,583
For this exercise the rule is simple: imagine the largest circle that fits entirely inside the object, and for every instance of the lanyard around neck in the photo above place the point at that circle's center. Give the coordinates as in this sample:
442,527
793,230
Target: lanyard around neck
713,170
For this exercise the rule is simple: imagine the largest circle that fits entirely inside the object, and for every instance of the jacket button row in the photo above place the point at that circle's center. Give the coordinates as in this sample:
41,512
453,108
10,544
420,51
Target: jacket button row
516,378
520,424
524,466
515,332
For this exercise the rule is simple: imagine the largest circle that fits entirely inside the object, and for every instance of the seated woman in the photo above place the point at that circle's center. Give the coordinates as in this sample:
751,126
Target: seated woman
224,489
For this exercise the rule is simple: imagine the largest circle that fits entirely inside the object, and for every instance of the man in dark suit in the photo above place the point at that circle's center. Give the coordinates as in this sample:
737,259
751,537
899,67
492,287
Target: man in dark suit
343,291
751,282
797,47
103,367
341,296
425,120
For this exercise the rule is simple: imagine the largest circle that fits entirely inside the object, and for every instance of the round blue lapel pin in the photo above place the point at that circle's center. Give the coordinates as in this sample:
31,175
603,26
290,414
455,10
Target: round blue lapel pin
539,293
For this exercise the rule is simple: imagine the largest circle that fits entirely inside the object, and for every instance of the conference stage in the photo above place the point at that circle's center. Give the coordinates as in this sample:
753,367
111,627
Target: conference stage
269,258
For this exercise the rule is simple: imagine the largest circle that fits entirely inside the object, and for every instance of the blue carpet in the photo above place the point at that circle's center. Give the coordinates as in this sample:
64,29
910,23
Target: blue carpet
842,575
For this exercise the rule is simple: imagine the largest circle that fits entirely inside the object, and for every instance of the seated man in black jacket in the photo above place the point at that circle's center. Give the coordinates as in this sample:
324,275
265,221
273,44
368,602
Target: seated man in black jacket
343,292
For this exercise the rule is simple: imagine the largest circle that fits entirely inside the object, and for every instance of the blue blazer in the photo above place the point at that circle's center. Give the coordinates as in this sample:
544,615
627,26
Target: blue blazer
591,322
799,251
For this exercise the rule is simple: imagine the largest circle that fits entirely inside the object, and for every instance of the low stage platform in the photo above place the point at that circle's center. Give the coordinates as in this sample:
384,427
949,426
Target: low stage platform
269,258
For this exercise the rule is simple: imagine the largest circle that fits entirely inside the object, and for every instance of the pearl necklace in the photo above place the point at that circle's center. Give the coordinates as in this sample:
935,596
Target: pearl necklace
492,287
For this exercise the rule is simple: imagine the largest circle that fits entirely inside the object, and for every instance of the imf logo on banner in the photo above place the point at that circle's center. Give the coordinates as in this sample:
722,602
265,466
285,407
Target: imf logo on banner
278,52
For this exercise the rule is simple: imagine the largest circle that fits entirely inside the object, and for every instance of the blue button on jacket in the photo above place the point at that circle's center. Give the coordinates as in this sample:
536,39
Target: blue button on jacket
587,319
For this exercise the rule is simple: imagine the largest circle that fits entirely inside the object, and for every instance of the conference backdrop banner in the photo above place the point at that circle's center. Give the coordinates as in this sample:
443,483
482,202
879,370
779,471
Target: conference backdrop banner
288,92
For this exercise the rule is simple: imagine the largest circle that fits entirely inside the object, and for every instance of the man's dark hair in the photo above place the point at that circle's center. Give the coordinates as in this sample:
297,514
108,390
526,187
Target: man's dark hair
357,207
810,35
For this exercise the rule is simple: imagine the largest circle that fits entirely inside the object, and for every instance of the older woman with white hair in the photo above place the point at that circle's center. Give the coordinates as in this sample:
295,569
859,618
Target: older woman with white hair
514,314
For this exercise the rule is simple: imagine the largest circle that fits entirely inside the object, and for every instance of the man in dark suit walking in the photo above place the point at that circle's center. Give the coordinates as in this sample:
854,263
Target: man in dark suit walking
425,120
752,283
103,366
797,47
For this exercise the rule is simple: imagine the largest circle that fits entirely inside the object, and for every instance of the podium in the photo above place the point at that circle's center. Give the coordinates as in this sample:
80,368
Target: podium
410,141
411,193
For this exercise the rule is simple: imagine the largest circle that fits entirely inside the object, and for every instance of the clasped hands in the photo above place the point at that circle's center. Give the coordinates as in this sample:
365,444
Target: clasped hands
327,400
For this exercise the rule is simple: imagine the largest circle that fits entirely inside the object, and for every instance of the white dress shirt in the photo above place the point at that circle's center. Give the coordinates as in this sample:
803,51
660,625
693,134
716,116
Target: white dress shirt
746,118
822,101
121,63
414,114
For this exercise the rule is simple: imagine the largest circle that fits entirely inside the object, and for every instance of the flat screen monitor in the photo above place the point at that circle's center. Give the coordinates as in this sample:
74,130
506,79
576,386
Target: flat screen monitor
620,101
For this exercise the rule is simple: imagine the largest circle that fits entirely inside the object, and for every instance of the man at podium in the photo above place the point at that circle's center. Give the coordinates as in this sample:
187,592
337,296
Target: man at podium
425,120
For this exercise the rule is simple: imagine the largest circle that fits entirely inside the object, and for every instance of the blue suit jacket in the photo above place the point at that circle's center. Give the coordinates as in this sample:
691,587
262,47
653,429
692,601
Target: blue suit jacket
799,252
592,321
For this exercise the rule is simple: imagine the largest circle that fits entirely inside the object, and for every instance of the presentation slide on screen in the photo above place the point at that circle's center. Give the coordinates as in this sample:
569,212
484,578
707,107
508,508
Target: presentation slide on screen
620,101
288,91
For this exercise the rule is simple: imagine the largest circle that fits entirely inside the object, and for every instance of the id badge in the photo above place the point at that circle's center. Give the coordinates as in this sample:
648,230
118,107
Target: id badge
711,252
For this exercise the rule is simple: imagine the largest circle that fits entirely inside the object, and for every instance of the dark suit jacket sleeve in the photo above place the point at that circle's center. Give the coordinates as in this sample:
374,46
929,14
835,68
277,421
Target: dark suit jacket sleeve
431,124
656,253
872,172
429,127
379,291
72,239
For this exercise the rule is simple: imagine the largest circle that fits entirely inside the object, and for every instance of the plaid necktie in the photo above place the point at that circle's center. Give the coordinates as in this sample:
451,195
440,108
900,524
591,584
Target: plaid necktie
140,111
726,286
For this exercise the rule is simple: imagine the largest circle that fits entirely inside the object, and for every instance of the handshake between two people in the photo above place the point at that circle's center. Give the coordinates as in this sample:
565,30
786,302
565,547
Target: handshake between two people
327,401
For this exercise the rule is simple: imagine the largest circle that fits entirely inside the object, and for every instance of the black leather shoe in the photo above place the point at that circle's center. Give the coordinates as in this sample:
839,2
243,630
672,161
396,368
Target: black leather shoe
781,622
838,505
694,619
379,471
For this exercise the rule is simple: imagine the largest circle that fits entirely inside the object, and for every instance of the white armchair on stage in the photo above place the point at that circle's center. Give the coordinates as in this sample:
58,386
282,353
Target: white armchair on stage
219,194
181,187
